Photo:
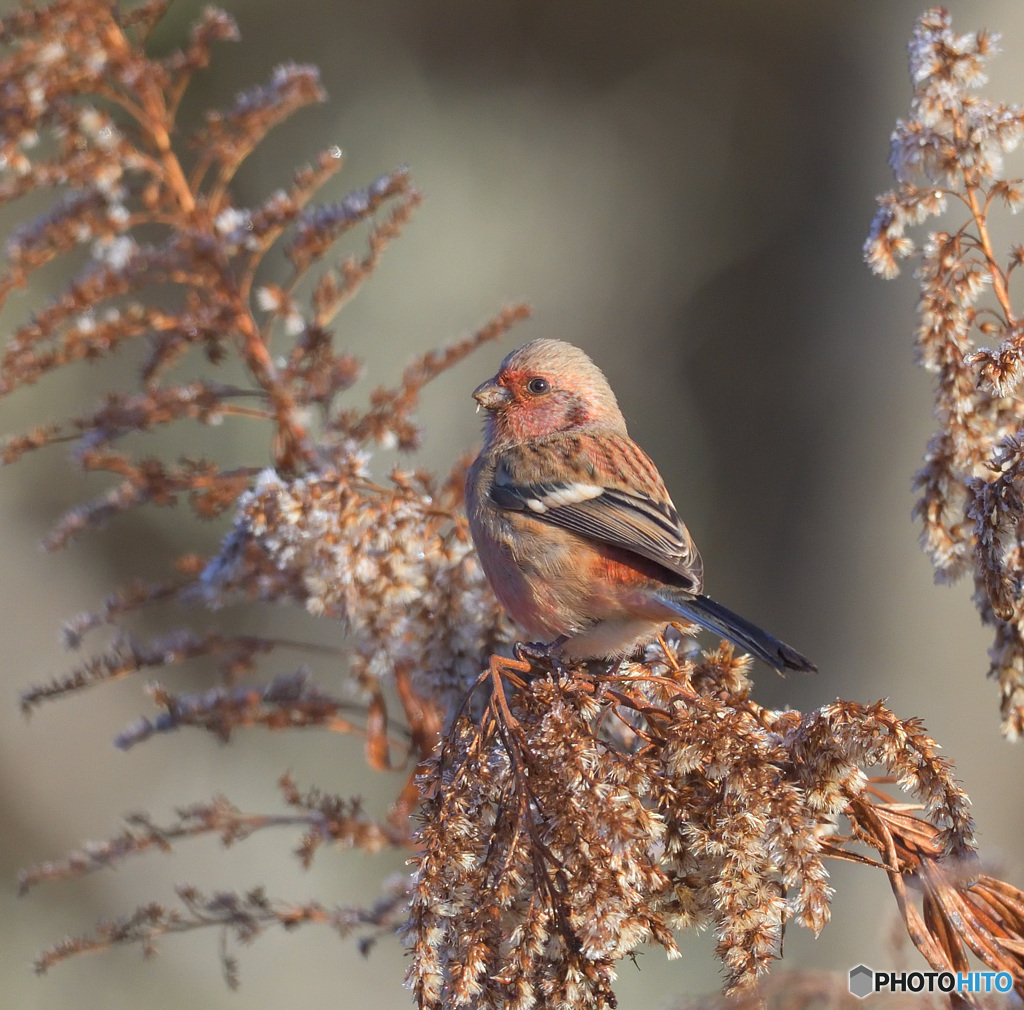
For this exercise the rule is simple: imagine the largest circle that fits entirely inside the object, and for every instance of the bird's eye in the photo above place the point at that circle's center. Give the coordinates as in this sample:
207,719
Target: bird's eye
538,386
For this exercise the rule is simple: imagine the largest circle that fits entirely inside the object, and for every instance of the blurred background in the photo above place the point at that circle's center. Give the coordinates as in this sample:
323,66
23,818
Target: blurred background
681,188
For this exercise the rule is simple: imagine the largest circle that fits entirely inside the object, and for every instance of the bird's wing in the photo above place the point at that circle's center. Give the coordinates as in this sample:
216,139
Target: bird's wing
601,486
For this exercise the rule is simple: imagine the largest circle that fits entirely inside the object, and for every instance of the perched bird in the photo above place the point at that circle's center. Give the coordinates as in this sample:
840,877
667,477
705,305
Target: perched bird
573,524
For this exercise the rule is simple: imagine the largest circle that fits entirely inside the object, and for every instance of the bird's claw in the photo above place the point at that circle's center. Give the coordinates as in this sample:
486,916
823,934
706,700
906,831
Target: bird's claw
540,653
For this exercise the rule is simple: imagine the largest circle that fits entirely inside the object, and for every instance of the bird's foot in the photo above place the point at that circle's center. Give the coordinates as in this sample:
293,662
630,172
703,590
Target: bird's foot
540,653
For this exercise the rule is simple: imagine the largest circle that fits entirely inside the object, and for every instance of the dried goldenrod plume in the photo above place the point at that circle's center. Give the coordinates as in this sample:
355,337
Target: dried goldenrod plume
948,160
558,816
316,530
588,813
175,264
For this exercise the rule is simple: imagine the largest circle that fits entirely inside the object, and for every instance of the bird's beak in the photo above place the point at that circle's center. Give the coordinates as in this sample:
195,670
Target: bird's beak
490,395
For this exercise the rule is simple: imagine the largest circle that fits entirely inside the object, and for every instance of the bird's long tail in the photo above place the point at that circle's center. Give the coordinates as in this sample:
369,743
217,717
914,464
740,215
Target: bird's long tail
711,615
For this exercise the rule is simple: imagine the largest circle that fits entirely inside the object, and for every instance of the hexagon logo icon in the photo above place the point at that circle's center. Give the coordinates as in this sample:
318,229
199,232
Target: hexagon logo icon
862,981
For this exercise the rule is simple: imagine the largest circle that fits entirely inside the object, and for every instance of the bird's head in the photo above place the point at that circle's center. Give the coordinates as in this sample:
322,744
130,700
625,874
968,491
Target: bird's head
544,387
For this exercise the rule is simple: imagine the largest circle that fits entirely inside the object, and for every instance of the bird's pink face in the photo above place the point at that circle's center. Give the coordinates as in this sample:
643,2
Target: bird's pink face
525,403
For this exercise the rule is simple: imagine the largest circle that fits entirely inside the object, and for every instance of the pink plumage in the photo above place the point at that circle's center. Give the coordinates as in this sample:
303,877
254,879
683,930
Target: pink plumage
573,523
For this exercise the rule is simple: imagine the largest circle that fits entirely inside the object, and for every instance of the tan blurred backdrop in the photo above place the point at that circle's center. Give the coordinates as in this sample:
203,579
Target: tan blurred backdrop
683,189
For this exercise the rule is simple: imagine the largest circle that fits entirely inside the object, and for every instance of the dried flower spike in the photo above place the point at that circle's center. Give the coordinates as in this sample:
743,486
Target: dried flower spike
948,158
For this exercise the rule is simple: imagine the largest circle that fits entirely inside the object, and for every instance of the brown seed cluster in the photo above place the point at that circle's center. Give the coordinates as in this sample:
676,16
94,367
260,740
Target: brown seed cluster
394,563
585,814
948,158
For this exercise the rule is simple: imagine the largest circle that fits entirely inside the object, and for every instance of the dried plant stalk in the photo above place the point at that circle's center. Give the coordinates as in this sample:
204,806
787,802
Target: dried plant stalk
175,263
584,815
949,155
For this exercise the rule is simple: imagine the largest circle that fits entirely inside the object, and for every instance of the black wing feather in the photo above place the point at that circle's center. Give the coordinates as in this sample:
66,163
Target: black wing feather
631,522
